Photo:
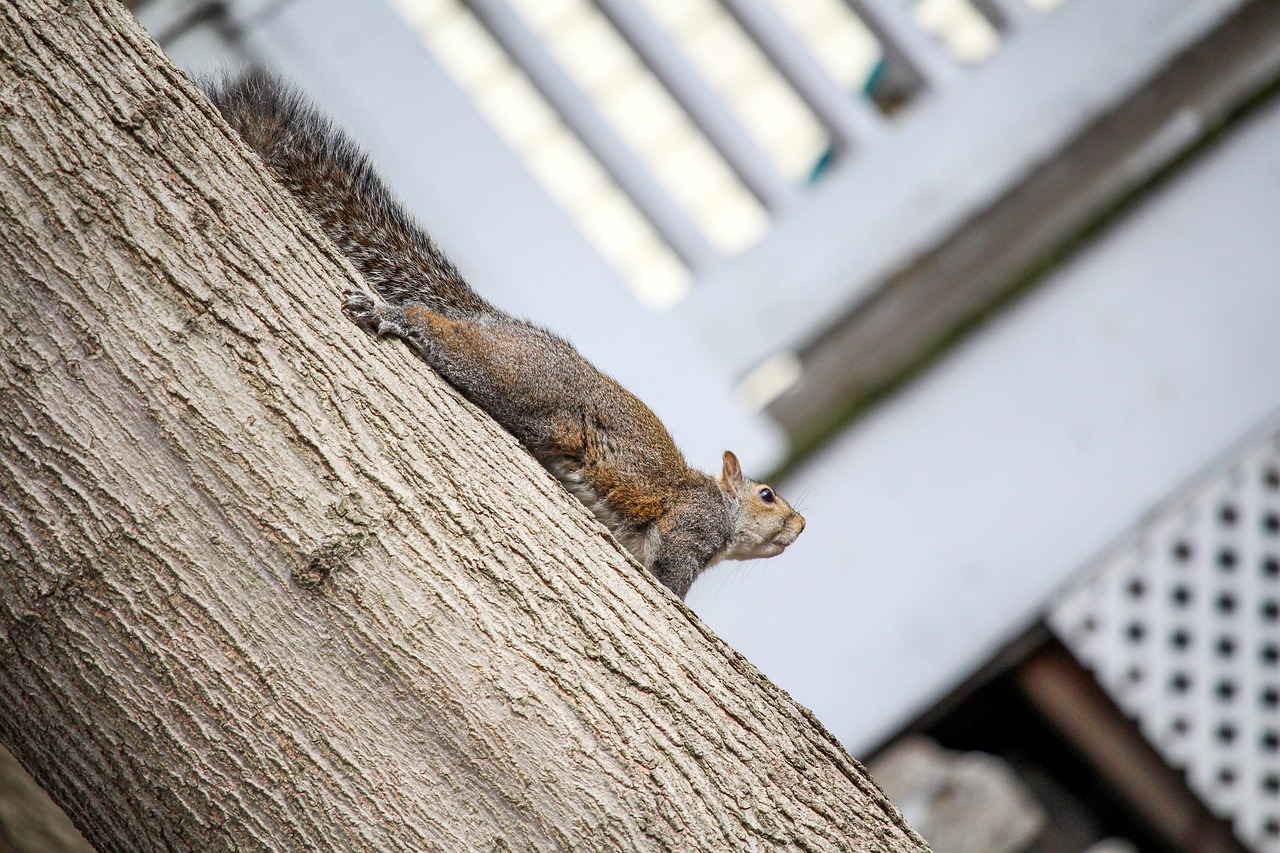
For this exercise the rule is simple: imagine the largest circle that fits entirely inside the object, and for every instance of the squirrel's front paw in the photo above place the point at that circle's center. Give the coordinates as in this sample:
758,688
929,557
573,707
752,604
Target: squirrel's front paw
369,313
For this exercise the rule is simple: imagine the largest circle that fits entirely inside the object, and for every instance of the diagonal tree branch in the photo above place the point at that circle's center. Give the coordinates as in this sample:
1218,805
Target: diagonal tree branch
265,583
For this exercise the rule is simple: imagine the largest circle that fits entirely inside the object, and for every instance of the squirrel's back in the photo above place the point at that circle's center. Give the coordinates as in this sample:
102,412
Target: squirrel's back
336,183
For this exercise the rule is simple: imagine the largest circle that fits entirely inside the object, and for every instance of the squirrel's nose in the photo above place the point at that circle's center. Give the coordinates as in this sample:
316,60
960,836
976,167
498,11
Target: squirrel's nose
801,530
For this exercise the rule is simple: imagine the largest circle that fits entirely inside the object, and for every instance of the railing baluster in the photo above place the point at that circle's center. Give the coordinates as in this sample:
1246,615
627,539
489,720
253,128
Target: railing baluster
576,110
700,102
1005,15
903,41
849,119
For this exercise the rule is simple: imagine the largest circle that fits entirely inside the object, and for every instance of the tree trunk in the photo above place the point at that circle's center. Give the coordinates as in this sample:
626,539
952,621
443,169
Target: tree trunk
269,583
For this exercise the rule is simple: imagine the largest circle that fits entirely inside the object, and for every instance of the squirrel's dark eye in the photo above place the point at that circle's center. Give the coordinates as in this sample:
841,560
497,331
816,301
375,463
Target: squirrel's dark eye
766,495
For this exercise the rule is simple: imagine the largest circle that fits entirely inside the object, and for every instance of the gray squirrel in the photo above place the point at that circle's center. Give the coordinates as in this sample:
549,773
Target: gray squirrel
607,448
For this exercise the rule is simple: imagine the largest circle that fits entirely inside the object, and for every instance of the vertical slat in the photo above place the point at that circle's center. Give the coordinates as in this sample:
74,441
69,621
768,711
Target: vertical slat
577,111
1005,15
849,119
903,42
703,106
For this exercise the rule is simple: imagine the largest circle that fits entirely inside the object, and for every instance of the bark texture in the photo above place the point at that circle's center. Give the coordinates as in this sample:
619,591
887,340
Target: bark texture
268,584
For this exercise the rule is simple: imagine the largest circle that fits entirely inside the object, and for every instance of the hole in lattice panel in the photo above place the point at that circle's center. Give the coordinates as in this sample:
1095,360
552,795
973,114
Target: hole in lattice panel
1228,515
1270,567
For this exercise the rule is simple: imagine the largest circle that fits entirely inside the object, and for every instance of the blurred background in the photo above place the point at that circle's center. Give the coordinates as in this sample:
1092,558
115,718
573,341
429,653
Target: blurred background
990,287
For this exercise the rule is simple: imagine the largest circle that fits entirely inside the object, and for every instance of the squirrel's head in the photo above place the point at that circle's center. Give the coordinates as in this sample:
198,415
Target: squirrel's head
766,524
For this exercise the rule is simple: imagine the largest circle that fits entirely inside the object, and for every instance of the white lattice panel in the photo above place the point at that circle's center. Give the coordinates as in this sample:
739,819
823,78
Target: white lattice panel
1181,624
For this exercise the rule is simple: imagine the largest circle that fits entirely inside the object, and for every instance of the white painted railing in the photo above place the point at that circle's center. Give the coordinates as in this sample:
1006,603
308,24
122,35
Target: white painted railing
900,184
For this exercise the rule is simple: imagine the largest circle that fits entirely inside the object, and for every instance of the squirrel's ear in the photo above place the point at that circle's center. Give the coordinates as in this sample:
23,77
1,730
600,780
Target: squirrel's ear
731,476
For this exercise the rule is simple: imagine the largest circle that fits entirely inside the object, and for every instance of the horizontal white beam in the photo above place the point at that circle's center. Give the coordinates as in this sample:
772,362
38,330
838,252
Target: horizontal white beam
949,158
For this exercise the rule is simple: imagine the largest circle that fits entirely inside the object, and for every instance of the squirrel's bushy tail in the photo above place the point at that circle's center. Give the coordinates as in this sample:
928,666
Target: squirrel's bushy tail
337,185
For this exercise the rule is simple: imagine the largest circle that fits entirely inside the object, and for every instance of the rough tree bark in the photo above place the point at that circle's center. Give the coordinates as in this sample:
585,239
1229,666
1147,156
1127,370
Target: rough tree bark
267,583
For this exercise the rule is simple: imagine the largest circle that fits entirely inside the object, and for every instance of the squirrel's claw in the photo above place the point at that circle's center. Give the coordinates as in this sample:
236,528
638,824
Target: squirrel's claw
368,312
